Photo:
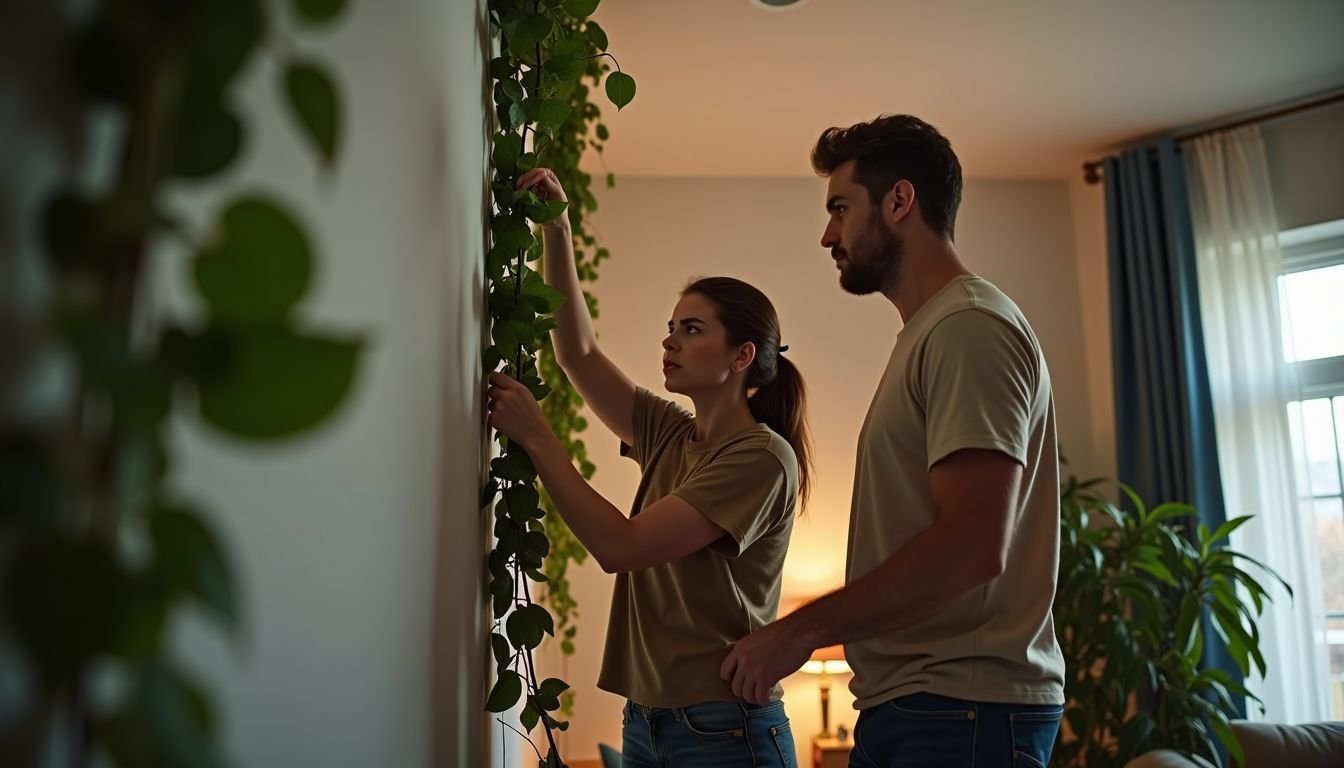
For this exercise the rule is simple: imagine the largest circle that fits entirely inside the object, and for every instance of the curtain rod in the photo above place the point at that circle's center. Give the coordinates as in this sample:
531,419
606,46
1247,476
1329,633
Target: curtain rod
1092,168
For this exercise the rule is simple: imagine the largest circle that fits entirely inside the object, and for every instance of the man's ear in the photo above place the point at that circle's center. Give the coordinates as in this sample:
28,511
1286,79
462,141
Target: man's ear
746,356
900,201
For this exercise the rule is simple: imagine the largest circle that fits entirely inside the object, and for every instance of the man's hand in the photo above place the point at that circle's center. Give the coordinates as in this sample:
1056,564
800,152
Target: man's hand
763,658
515,412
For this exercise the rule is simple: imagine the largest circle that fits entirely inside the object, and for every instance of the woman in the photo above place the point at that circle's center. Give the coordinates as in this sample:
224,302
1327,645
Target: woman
699,560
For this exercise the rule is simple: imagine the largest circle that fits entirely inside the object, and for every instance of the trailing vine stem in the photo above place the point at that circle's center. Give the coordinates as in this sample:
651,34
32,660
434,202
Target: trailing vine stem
546,53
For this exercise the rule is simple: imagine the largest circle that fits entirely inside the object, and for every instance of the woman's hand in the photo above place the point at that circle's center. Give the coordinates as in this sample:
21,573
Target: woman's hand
544,183
515,412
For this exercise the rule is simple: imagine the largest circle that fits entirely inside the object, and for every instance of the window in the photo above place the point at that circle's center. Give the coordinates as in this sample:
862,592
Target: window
1311,300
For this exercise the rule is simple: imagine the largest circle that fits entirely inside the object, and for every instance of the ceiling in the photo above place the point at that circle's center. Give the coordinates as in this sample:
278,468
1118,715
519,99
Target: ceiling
1024,89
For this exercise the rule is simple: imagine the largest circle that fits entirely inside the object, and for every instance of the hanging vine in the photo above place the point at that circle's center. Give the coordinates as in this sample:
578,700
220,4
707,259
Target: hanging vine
550,53
102,552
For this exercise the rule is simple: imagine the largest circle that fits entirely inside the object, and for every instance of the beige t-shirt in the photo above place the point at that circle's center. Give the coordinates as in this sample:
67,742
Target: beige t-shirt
672,625
966,372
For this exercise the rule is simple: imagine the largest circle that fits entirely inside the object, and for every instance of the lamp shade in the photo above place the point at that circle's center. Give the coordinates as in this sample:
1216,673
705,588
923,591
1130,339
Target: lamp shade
830,660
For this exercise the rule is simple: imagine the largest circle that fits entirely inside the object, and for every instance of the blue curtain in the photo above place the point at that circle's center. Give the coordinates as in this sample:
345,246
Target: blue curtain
1165,443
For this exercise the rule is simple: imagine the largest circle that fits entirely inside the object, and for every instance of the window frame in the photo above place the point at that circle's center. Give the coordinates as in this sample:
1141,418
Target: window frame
1314,247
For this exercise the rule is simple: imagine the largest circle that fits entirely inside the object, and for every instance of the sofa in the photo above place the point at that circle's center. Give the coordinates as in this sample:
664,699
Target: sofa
1267,745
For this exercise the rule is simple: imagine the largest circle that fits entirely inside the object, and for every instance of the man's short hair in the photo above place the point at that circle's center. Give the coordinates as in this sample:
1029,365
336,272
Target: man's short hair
894,147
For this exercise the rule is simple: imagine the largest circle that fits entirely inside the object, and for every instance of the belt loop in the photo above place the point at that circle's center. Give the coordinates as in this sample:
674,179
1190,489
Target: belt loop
746,730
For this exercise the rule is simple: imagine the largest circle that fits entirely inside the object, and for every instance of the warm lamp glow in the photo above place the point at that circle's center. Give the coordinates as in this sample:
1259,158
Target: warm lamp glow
826,666
826,662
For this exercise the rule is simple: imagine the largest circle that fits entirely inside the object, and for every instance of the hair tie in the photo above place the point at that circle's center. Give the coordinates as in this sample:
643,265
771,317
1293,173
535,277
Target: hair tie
783,349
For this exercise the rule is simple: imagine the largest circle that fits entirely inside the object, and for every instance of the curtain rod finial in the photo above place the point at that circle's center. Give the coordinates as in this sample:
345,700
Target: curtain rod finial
1092,171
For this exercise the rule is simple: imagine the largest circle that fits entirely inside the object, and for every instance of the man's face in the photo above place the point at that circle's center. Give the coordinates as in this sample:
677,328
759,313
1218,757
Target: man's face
866,251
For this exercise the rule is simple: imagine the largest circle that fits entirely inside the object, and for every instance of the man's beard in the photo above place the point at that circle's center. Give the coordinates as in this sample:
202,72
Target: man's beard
874,261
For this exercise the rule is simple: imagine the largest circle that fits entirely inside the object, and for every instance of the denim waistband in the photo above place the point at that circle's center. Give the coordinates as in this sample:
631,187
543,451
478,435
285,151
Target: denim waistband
747,707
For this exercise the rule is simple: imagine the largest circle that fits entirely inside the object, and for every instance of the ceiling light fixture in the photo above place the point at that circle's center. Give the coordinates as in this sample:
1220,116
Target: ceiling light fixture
777,5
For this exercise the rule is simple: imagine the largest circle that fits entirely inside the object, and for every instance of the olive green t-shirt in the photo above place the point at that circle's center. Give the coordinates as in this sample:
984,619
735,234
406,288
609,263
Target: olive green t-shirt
967,372
672,625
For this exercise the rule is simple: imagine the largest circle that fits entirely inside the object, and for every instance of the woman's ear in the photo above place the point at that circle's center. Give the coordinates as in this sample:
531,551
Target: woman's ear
746,355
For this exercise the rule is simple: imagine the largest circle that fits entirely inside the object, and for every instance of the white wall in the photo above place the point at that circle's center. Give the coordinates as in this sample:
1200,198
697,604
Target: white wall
661,231
1306,166
360,547
1087,206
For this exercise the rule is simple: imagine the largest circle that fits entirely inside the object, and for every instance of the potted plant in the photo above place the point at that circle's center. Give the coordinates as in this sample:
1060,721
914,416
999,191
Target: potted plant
1134,588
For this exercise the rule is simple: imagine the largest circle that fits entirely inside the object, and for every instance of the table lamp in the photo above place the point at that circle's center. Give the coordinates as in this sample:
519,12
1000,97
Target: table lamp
826,662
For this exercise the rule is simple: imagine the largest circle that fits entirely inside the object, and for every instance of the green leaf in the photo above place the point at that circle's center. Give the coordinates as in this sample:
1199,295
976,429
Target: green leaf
318,11
502,586
550,113
566,68
506,692
283,383
522,498
528,717
580,9
208,138
552,686
169,722
524,626
602,133
222,37
1228,527
499,645
190,559
64,598
547,211
515,467
1158,570
538,389
490,361
1227,738
512,89
503,68
500,605
1171,511
508,146
489,491
315,105
596,35
517,116
258,265
533,29
179,717
537,543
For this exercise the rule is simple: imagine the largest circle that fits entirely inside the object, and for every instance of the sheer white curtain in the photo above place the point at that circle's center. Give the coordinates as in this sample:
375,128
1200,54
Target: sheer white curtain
1239,261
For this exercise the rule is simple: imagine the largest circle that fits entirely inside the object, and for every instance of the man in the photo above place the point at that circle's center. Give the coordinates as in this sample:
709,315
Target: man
954,523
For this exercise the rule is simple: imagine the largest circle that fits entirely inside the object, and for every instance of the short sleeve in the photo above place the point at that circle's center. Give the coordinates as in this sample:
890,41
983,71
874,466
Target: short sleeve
654,419
746,492
978,377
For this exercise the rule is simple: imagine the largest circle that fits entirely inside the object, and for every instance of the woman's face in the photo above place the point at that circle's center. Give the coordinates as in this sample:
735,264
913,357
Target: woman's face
696,352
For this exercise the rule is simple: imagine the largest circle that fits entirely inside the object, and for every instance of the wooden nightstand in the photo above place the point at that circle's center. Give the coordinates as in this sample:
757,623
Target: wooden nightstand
830,752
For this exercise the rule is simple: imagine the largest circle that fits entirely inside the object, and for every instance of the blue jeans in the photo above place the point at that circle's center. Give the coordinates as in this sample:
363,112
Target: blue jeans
924,729
716,734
